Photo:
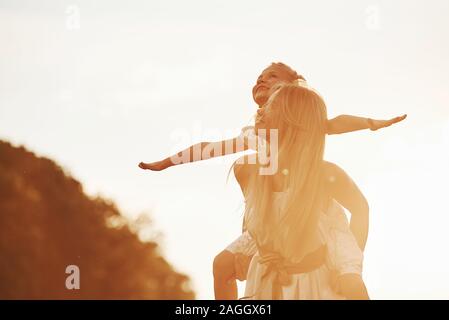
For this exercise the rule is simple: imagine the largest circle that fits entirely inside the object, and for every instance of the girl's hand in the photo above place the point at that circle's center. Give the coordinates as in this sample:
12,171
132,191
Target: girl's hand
379,124
153,166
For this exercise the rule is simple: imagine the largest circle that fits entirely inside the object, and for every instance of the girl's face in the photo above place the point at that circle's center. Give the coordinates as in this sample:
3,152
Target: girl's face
270,77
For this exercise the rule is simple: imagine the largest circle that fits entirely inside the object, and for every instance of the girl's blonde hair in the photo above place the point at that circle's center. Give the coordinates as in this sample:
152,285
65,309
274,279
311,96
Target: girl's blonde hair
292,74
299,113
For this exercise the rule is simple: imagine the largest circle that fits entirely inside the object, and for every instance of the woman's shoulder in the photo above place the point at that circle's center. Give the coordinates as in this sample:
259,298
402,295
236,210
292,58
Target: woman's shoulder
333,173
330,167
330,171
244,166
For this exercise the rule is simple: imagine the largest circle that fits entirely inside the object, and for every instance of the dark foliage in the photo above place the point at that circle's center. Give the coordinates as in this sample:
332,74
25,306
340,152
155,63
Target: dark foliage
48,223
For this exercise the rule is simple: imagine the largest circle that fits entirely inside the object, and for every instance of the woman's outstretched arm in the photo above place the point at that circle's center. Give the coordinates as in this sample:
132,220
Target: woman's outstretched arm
347,123
197,152
343,189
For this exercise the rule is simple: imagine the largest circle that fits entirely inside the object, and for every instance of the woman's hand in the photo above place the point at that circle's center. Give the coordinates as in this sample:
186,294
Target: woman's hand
241,265
379,124
153,166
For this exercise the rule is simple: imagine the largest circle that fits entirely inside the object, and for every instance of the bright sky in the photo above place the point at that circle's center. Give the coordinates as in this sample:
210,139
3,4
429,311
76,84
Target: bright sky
101,85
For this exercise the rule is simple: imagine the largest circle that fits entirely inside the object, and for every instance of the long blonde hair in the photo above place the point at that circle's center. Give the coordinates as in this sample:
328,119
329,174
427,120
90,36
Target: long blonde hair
300,115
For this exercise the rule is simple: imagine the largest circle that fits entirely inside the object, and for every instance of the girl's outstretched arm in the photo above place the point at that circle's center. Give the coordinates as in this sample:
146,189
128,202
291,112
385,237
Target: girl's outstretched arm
197,152
347,123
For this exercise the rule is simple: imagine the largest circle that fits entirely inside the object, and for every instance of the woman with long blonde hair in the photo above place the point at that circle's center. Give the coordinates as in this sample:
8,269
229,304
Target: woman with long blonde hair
284,211
232,262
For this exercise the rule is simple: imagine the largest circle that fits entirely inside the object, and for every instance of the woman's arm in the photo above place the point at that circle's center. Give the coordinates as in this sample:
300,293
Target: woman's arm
341,187
197,152
347,123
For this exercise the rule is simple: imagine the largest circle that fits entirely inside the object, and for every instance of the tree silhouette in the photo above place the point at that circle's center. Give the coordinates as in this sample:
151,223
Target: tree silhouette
47,223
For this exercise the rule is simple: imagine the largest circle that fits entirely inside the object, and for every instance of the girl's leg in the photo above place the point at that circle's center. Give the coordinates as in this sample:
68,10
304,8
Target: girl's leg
225,284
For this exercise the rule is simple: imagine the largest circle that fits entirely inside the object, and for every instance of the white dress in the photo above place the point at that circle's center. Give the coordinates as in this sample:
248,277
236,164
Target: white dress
343,256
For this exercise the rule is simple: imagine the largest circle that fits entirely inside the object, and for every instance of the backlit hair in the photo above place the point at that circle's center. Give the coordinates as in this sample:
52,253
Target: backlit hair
300,116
